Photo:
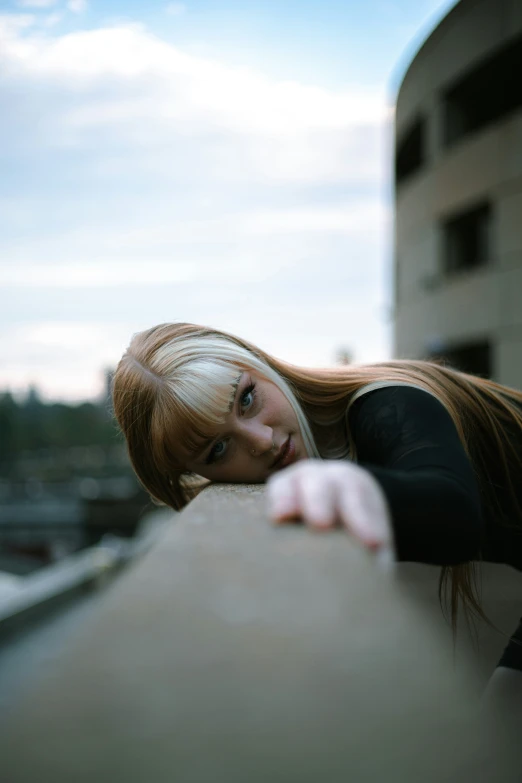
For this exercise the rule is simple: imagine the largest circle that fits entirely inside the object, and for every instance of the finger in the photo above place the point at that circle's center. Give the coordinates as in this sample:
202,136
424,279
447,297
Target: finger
378,508
283,500
363,522
316,500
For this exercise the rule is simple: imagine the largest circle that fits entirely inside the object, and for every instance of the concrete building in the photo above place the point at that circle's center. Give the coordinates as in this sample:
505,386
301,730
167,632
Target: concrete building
458,185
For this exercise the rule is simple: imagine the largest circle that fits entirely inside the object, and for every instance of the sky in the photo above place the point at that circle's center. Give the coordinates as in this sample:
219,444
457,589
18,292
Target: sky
219,162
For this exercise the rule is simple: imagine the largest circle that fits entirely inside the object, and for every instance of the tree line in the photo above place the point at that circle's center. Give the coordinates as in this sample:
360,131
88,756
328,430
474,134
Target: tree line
32,424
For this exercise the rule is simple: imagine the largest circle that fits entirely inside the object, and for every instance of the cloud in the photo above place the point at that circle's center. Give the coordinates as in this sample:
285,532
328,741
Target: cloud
36,3
249,244
31,352
238,99
124,82
175,9
51,20
77,6
144,184
11,25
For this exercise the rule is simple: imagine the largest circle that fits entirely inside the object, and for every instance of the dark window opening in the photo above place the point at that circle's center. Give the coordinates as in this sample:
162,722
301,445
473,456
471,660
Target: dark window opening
489,92
467,239
410,152
474,358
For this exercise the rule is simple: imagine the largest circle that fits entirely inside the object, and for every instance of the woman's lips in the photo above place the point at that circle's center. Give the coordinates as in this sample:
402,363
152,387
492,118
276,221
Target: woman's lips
287,455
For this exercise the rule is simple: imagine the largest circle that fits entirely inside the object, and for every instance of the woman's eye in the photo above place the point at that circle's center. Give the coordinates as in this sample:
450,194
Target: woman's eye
216,452
219,449
248,396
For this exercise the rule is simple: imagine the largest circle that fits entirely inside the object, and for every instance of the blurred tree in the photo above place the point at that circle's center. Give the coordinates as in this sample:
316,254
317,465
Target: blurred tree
343,356
31,425
9,423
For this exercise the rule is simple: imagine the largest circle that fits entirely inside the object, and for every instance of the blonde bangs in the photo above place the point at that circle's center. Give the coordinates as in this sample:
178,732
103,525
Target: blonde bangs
191,407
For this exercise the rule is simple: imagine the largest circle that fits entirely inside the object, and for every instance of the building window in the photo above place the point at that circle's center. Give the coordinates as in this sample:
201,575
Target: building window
467,239
410,151
473,357
486,94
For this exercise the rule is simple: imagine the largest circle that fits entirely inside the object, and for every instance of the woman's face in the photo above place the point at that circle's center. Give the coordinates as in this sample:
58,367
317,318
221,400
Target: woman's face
259,436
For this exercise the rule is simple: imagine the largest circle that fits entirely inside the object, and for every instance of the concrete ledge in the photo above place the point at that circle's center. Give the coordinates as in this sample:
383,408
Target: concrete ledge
233,651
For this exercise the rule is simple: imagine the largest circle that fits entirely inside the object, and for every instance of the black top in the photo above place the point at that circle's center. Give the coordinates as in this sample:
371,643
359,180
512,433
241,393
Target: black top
405,437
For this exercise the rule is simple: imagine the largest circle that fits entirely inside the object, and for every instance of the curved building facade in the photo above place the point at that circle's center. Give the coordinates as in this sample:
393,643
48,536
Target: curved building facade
458,194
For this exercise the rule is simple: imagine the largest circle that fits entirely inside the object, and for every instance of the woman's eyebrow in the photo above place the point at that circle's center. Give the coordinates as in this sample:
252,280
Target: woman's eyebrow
234,393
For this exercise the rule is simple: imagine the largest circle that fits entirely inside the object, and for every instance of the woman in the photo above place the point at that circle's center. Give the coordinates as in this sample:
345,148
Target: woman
410,456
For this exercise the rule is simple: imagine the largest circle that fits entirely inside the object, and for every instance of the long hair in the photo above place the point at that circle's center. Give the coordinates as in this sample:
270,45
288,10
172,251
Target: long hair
175,382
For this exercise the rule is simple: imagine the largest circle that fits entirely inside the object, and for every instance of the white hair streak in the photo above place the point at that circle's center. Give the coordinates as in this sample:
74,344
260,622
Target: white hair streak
204,370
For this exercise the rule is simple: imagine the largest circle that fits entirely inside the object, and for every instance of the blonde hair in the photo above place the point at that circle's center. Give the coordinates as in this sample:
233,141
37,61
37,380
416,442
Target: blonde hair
175,382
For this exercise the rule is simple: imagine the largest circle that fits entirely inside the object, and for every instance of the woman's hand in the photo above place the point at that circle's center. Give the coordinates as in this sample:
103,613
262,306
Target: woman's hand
328,493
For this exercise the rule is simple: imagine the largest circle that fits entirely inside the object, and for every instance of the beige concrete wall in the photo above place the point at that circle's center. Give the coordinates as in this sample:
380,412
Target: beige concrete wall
466,35
486,302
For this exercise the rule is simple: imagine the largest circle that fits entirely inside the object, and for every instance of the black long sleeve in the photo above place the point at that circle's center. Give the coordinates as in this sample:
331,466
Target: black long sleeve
407,440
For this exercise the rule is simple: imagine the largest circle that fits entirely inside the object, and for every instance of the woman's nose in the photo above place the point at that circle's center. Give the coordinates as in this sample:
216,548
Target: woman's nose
259,439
